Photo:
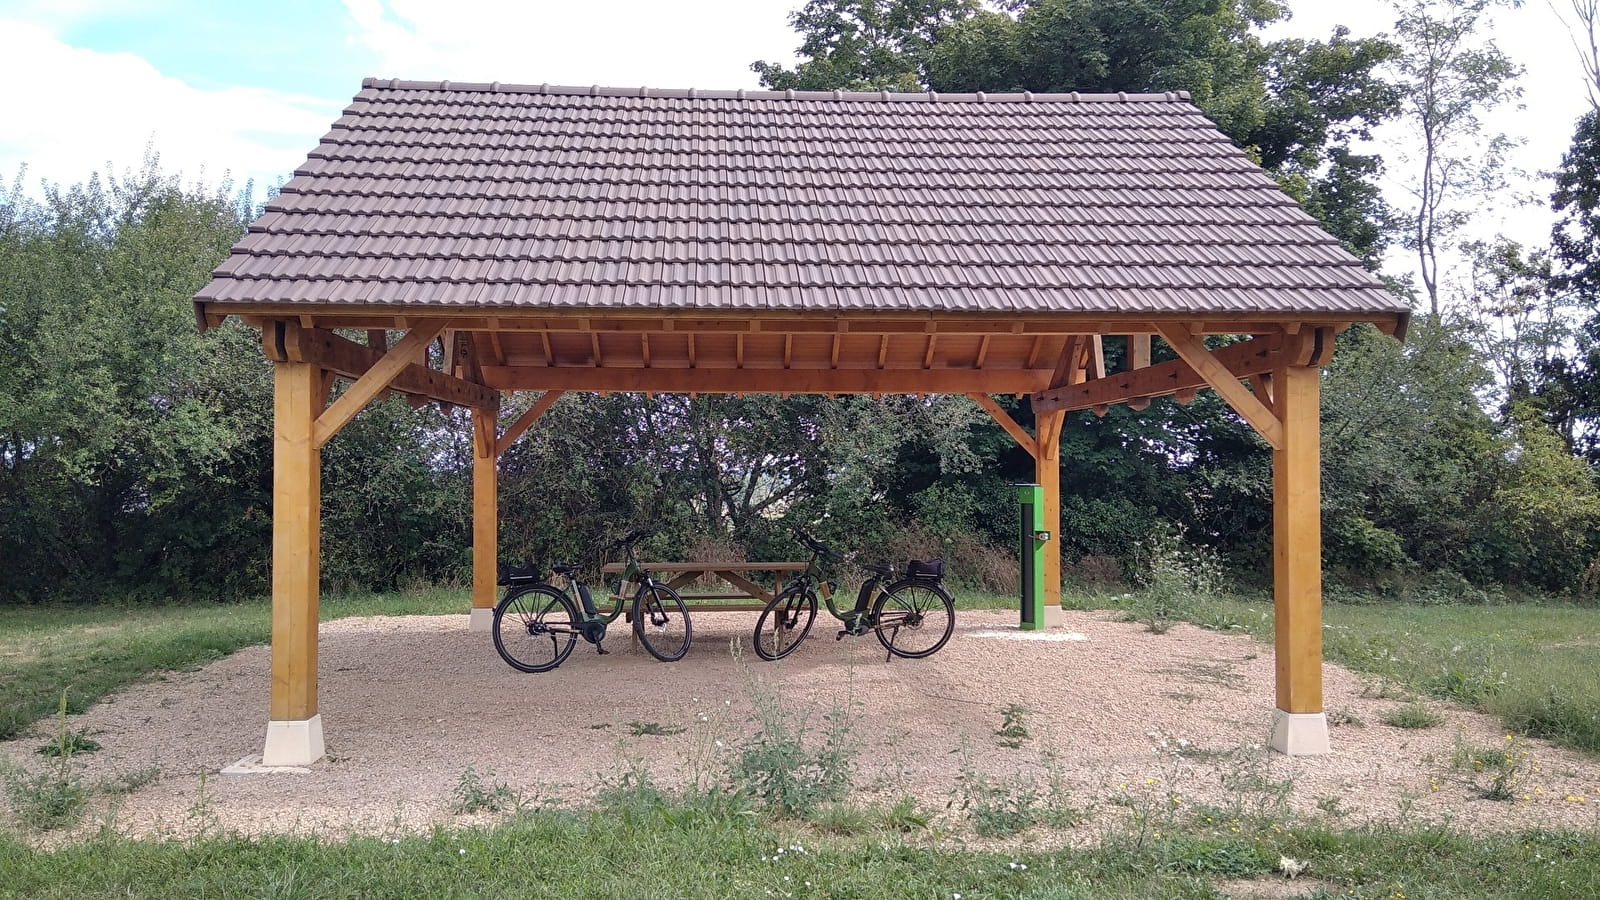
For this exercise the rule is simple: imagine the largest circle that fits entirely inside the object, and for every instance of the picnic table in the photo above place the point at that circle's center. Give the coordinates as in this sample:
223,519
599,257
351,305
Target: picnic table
733,574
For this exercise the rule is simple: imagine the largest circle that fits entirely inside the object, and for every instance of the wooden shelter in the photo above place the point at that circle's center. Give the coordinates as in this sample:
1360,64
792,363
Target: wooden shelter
593,239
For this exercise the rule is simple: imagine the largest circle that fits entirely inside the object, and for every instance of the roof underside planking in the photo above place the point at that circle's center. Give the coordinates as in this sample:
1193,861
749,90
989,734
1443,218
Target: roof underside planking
628,239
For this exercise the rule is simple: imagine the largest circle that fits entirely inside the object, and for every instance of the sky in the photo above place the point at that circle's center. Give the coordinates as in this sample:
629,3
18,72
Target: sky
244,89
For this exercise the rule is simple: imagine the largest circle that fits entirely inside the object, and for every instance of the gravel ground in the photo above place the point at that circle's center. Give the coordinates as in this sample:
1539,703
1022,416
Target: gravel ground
409,702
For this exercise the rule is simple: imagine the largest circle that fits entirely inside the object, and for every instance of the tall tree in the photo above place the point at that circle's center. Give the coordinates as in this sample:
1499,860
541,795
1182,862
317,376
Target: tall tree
1451,76
863,44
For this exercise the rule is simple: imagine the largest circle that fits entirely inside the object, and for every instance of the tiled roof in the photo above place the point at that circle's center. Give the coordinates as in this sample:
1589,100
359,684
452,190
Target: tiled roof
488,195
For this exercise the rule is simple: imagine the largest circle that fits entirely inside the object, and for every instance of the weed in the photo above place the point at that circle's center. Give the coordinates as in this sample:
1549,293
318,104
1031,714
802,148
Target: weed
472,795
654,728
53,798
778,768
905,815
69,743
1337,717
632,793
1012,806
1503,768
130,781
1013,729
842,818
1333,806
1412,715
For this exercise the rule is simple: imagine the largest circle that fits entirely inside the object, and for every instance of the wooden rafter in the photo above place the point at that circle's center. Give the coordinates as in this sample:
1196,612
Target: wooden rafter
883,350
1019,434
766,381
1069,367
1138,358
1095,366
1221,379
525,421
983,352
375,381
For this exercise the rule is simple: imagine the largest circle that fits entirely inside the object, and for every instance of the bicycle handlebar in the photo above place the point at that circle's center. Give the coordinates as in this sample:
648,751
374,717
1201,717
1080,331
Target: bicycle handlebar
814,545
632,537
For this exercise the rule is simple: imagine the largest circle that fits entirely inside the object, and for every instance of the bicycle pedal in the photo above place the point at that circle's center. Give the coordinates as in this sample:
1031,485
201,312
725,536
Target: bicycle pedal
842,634
601,650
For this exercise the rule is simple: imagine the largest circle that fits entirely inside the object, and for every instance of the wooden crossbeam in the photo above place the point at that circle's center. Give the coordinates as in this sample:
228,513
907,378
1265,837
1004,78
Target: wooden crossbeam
1247,358
766,381
1221,379
376,380
288,342
1003,419
525,421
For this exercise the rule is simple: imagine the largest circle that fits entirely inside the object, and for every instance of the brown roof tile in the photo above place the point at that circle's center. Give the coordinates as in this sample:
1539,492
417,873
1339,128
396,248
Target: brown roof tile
520,196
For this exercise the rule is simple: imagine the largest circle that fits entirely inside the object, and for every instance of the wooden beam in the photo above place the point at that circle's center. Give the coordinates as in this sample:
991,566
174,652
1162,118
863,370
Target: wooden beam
1067,365
767,381
983,352
375,381
497,348
378,339
1139,358
1241,360
833,355
1297,542
1224,382
927,355
525,421
1096,367
1004,420
296,540
351,360
485,509
883,350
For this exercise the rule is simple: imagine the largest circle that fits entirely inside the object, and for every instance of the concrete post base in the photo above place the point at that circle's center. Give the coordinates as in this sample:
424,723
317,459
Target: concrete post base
482,619
1054,617
293,743
1300,734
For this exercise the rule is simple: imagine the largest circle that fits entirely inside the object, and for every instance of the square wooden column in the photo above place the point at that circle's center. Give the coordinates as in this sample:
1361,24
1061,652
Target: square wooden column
294,732
1047,472
1299,726
485,515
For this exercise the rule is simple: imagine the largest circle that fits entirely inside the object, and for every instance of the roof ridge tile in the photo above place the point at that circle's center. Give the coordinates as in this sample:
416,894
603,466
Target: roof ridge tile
594,90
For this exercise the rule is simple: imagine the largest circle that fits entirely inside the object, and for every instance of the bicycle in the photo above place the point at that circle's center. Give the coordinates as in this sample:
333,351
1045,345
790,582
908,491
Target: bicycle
916,607
536,623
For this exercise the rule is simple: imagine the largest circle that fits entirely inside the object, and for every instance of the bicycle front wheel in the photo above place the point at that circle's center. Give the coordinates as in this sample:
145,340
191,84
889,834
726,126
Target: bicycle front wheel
661,622
914,618
534,628
785,622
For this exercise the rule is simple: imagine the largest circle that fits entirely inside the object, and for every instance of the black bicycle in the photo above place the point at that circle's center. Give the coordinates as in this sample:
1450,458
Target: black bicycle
536,623
912,617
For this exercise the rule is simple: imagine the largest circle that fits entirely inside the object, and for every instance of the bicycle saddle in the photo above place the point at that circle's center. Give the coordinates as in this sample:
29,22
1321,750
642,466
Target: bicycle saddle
564,568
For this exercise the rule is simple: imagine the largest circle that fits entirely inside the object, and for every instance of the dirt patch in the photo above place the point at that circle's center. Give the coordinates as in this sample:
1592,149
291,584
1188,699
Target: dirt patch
1124,723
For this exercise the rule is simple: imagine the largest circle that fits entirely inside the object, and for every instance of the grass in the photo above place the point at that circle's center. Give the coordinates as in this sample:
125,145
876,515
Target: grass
673,851
1531,664
1412,715
91,651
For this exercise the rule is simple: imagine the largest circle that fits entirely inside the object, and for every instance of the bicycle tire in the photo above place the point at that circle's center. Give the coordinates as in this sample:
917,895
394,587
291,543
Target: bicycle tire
659,604
525,617
784,614
918,604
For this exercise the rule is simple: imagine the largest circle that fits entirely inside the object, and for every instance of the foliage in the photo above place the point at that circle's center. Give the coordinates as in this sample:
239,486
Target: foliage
472,795
55,796
1412,715
784,771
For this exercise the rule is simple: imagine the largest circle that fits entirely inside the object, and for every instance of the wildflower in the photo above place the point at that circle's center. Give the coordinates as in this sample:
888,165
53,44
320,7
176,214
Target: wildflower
461,850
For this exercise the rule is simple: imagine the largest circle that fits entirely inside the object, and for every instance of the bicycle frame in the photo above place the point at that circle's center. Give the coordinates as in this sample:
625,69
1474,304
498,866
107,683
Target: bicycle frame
854,618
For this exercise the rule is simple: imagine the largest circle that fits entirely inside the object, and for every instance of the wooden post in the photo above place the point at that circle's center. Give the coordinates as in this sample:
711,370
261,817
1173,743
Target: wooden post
294,734
485,515
1300,727
1047,472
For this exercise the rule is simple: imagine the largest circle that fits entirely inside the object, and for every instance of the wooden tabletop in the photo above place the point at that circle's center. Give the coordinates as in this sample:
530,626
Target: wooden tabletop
712,567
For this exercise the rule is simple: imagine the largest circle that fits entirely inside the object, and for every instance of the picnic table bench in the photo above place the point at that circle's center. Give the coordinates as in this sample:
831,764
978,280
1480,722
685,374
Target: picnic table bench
734,574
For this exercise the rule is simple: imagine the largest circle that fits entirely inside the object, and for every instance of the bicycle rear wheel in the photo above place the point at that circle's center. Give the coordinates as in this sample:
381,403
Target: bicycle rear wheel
785,622
534,628
661,622
914,618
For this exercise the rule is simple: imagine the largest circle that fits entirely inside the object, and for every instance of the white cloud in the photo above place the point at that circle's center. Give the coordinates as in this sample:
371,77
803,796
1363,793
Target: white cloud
619,43
69,111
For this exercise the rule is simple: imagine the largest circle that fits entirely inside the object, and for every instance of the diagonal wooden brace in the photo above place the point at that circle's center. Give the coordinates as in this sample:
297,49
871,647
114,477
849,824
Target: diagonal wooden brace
1024,440
1192,351
410,349
525,421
